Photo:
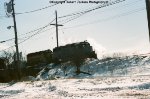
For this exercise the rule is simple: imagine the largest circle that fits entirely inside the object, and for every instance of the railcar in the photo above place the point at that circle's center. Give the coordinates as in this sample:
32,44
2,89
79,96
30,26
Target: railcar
39,58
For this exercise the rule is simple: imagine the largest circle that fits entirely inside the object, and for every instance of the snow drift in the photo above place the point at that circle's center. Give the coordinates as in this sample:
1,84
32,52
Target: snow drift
109,66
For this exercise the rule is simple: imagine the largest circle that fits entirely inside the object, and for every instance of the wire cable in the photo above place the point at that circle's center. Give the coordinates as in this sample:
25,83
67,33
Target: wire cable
92,9
39,32
7,40
68,20
36,32
36,9
73,18
23,34
110,18
29,36
87,11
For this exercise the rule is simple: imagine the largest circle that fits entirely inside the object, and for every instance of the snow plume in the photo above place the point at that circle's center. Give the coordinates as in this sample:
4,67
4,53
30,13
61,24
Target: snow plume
99,49
129,52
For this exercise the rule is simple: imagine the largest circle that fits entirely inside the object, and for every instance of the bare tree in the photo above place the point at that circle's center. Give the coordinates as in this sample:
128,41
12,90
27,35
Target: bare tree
8,57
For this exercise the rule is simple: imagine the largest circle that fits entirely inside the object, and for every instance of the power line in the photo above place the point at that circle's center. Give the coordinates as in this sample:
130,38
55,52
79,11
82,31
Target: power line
36,9
23,34
32,11
107,19
7,40
23,38
87,11
92,9
36,32
30,36
68,20
75,17
32,31
78,15
72,17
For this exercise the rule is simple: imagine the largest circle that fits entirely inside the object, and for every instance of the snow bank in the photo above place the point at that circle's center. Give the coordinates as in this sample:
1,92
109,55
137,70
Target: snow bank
116,66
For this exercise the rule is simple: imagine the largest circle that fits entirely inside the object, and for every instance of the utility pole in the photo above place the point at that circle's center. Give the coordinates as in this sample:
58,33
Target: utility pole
148,14
16,39
56,28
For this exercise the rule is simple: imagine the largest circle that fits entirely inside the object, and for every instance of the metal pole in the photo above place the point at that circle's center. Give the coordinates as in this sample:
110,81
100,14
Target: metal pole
16,38
148,14
56,28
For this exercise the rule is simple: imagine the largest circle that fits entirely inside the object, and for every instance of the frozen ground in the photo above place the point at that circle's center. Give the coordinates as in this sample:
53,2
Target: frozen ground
110,78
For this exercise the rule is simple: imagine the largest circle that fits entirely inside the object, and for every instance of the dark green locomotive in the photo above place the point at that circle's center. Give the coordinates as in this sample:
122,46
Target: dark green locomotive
72,52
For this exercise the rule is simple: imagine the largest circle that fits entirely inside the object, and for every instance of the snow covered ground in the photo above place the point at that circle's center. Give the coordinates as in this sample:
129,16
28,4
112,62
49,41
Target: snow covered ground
125,77
135,87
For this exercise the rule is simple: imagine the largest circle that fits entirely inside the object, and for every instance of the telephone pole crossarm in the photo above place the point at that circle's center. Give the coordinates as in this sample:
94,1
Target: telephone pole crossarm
57,24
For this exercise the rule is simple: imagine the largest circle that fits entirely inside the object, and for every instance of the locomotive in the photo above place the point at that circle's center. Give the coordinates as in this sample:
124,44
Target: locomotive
69,52
2,63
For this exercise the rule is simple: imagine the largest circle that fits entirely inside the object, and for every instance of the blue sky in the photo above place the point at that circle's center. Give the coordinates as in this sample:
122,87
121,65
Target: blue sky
119,27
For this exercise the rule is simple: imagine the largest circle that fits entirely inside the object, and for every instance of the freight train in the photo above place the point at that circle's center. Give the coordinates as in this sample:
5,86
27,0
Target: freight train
69,52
